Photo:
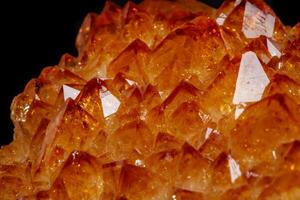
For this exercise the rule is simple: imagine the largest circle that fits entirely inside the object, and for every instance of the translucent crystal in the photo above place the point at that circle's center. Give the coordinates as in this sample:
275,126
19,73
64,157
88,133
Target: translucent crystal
166,100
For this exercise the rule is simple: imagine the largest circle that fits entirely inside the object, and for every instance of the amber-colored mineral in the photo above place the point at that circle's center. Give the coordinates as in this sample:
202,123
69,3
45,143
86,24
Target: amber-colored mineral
167,100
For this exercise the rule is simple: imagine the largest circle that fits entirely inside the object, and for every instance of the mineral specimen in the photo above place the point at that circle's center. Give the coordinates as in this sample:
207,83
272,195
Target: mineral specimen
166,100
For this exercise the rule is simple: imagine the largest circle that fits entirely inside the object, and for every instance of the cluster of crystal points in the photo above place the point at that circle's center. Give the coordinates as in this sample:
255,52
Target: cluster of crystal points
167,100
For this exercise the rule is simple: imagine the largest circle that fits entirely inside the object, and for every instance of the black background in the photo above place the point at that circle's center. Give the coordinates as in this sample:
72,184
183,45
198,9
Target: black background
35,34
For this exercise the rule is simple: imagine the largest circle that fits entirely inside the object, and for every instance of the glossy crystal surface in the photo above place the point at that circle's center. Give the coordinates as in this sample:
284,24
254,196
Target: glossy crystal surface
167,100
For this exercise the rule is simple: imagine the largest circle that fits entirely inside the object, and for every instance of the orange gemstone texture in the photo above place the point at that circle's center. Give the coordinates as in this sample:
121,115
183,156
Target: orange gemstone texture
166,100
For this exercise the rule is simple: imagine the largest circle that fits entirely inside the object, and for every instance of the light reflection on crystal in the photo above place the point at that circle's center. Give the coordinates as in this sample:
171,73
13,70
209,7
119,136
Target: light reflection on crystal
239,109
37,97
256,22
237,2
272,49
110,103
139,163
70,92
208,132
104,78
221,19
274,155
174,197
234,169
22,117
251,81
250,174
130,82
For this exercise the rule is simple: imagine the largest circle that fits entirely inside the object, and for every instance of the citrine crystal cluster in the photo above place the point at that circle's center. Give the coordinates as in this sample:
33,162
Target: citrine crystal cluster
167,100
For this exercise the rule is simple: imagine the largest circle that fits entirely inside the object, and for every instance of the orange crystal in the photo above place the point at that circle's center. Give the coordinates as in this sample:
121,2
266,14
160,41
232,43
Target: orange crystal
151,109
